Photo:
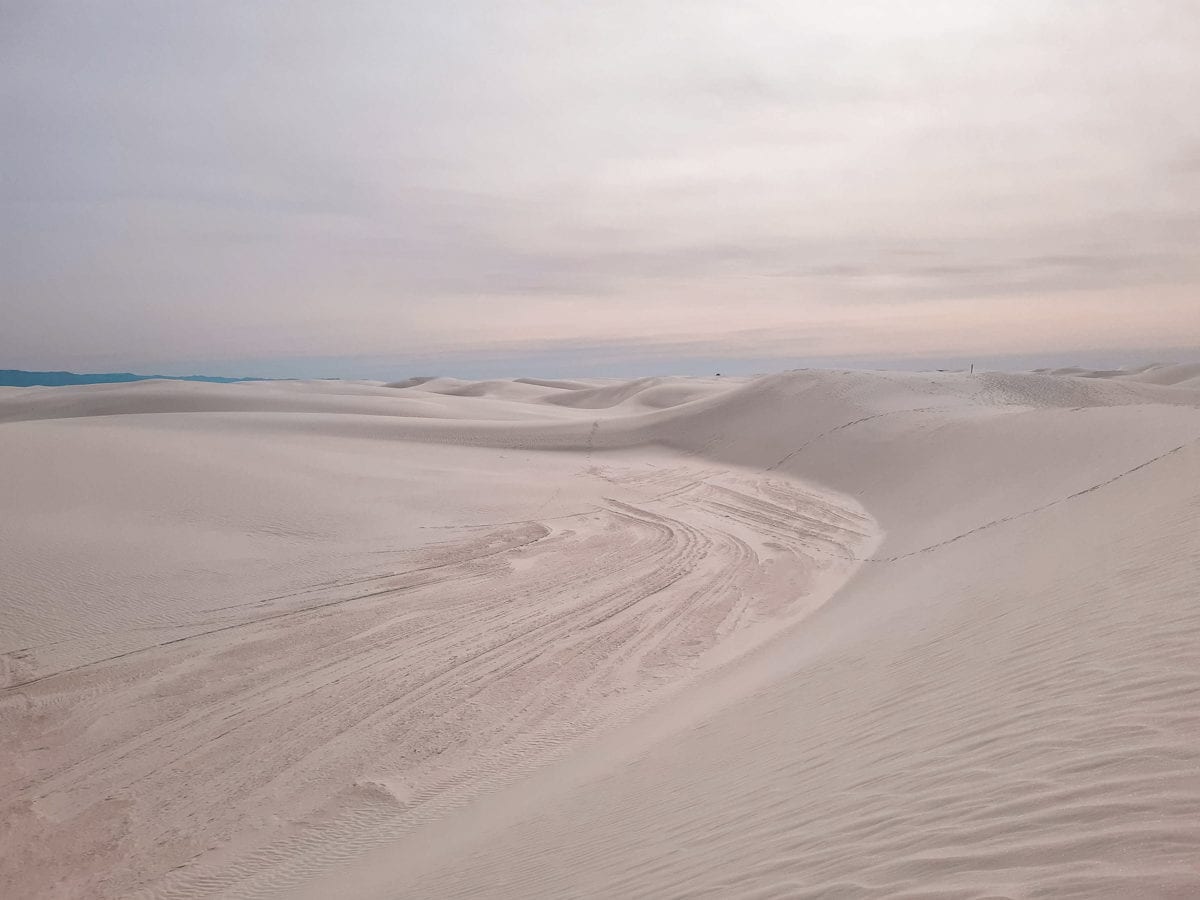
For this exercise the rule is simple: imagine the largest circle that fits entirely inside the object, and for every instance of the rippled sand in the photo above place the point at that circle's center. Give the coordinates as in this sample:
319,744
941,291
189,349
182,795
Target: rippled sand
820,634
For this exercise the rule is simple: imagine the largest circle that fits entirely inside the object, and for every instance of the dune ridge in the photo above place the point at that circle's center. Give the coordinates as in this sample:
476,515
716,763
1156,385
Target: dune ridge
812,634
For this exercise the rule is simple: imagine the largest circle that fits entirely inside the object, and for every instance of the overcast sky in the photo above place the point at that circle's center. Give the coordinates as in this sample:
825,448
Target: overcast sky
364,188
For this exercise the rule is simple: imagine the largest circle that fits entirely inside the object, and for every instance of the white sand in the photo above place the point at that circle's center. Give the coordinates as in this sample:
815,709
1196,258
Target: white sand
817,634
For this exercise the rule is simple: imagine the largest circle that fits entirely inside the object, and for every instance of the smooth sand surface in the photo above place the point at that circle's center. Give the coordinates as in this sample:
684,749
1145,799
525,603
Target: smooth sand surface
818,634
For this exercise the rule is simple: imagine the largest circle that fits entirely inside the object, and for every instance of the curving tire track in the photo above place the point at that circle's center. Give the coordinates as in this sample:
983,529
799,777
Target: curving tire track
370,706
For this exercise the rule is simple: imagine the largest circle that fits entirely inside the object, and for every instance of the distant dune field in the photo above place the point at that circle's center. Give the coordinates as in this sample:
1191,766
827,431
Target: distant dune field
818,634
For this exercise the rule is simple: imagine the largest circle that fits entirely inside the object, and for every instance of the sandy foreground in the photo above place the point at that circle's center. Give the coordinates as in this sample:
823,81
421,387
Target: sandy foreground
818,634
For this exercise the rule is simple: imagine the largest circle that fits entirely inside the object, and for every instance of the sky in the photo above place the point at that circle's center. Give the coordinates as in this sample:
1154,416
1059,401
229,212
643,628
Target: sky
374,189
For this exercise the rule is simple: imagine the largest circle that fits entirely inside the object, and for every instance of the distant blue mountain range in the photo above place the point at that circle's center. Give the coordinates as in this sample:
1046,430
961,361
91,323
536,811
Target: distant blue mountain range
20,378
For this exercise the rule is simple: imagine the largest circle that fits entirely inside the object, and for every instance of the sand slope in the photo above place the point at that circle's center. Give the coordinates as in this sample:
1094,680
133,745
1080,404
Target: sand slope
827,634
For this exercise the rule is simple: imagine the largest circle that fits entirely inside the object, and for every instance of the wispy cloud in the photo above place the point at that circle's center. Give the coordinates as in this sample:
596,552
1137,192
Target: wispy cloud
228,180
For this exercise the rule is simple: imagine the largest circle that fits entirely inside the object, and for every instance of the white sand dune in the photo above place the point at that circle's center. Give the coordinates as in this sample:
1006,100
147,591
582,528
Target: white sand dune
559,383
819,634
1180,375
648,393
1174,375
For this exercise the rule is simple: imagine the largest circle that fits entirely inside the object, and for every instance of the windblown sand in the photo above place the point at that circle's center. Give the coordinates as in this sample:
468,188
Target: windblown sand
819,634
